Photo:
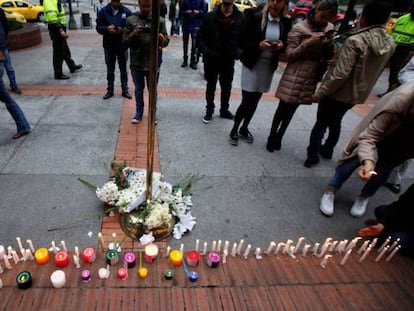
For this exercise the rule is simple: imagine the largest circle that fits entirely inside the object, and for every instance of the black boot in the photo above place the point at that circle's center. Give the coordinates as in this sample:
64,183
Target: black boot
185,63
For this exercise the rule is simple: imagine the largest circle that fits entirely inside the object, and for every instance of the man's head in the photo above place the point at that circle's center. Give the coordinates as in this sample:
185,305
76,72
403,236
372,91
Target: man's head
227,7
115,4
375,13
145,7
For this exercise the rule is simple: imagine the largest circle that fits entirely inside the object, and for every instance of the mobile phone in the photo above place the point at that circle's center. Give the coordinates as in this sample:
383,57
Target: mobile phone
274,43
145,29
330,33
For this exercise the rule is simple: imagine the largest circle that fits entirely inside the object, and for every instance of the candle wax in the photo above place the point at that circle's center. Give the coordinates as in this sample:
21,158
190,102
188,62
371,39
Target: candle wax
176,257
42,255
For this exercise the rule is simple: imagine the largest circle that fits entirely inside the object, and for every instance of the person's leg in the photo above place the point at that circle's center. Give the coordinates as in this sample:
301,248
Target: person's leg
193,47
122,63
67,56
110,60
186,36
211,76
57,42
342,172
138,76
225,78
285,116
241,111
253,101
397,61
9,69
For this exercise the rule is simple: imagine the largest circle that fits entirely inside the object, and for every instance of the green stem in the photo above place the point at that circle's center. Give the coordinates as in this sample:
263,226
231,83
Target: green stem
71,224
87,183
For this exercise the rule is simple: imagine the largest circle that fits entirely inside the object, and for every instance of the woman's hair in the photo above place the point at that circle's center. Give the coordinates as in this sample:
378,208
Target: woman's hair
265,10
328,6
376,12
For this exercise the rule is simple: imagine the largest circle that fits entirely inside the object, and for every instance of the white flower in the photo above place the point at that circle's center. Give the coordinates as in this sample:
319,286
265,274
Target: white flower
186,222
146,239
108,193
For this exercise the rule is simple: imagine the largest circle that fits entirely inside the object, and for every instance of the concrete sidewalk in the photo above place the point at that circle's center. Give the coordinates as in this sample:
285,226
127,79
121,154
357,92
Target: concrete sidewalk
255,195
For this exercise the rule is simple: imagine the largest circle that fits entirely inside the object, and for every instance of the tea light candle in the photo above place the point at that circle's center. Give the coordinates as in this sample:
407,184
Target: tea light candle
122,273
89,254
269,249
58,279
112,257
86,275
234,250
213,260
32,249
42,255
24,280
169,274
193,257
176,258
150,252
61,259
130,259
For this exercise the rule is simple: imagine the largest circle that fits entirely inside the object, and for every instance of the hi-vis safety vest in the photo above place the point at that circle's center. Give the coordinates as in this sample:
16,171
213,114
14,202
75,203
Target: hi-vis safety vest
52,13
403,31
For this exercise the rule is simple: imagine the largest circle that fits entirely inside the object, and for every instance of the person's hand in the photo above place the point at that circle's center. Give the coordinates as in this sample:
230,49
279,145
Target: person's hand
366,172
316,38
269,45
315,99
161,39
111,29
63,34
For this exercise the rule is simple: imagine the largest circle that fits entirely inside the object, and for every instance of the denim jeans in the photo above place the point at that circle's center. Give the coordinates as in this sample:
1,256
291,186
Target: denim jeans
329,116
17,114
186,37
111,55
140,77
9,69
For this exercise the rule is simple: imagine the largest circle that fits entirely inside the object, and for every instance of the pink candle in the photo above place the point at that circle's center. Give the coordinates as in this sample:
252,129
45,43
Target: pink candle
89,254
130,259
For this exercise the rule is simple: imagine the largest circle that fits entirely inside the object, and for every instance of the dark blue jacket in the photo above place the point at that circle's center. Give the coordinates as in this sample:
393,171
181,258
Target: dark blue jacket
106,18
191,20
4,29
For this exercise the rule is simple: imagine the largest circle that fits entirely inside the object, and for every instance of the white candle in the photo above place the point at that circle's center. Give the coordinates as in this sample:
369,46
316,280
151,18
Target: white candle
77,251
315,248
327,240
54,248
363,247
279,247
19,243
299,243
324,261
234,250
23,252
341,246
365,254
384,250
29,254
258,253
353,243
1,284
76,261
218,246
114,237
167,251
247,251
197,246
58,279
15,257
324,249
287,246
1,271
213,246
101,241
269,249
226,246
345,257
393,253
224,258
291,251
373,243
394,244
7,263
204,249
9,250
240,247
2,252
32,249
305,249
332,247
182,247
388,240
63,246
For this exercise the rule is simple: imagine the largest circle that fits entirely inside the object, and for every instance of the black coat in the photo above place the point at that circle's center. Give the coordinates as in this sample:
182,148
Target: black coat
219,40
254,35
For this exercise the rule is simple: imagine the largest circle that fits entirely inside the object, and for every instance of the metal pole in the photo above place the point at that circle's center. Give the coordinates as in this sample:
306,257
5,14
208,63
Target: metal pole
153,72
72,22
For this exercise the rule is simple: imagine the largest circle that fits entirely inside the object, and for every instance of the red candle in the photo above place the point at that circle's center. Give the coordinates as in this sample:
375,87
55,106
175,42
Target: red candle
193,257
122,273
61,259
89,254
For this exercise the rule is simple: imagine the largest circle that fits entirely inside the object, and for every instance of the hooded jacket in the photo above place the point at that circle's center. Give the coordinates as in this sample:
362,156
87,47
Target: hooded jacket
358,65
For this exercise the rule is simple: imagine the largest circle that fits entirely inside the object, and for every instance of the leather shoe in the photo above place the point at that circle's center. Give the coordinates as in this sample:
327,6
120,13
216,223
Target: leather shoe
184,64
311,162
61,76
74,68
18,135
193,66
16,90
395,188
108,95
126,95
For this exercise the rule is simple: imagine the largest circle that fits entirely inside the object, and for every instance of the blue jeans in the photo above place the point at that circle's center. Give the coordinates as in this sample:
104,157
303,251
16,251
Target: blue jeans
186,37
9,69
111,55
139,77
17,114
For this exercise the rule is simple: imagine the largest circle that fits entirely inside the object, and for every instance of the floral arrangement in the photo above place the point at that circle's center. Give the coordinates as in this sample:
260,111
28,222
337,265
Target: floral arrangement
126,194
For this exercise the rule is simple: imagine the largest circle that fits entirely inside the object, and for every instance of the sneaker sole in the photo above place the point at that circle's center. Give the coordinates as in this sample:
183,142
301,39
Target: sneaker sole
205,121
246,140
233,142
325,214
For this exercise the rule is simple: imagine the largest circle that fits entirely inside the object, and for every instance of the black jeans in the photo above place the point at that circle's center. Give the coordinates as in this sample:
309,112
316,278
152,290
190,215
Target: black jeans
61,51
222,70
111,55
329,116
186,37
397,62
281,120
246,109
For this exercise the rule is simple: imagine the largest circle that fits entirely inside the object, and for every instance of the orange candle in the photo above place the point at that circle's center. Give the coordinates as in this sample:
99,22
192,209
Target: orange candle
176,257
42,255
61,259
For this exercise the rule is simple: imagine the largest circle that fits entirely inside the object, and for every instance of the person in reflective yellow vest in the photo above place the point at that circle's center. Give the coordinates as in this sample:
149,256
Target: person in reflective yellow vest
56,22
403,35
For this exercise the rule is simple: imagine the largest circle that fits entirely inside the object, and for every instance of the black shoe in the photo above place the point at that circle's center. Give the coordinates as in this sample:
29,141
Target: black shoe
246,136
108,95
395,188
326,154
226,115
193,66
61,76
184,64
310,162
207,118
233,138
126,95
74,68
16,90
272,146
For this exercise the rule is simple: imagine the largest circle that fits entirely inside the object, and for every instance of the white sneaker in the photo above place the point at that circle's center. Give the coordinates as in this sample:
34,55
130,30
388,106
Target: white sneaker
327,204
359,207
135,121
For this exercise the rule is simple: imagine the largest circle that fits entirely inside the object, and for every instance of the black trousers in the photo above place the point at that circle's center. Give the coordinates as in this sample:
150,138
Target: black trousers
397,62
61,51
281,120
246,110
223,71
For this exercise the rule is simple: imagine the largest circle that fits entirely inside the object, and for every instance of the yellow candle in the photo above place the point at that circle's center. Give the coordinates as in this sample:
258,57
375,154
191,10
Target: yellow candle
176,257
42,255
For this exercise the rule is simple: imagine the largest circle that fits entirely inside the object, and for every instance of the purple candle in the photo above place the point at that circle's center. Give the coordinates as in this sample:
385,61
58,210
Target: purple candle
130,259
213,260
86,275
